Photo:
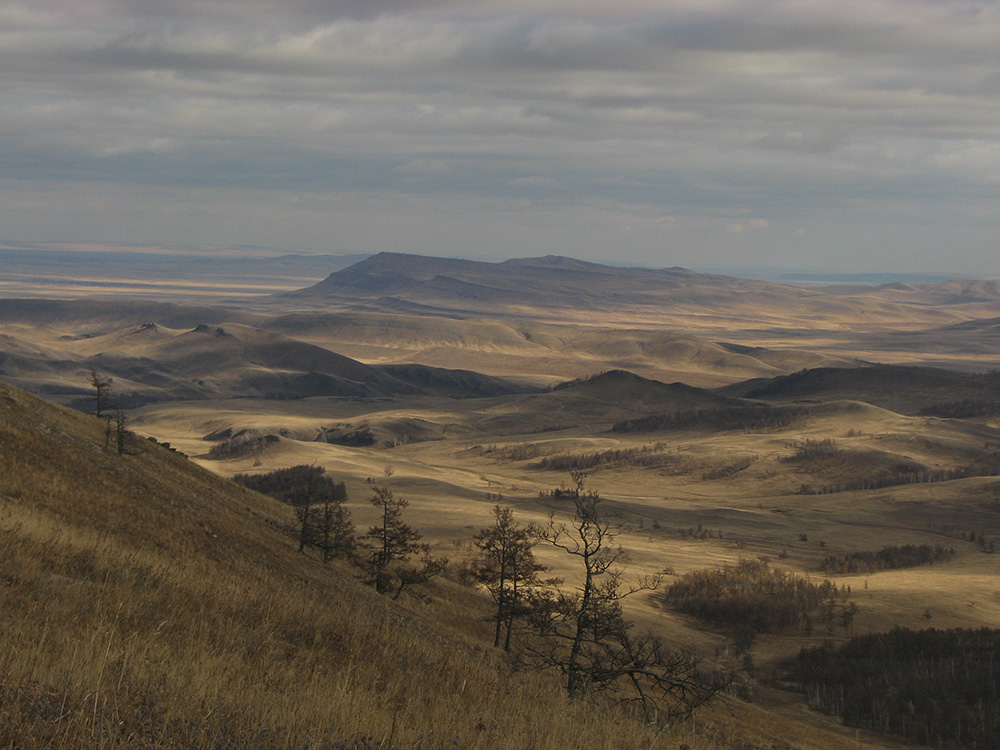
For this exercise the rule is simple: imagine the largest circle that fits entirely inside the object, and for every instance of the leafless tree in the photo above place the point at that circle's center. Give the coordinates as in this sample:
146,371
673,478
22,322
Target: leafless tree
585,634
323,521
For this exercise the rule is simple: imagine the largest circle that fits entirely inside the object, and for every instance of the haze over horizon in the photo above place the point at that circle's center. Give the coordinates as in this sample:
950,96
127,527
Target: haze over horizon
844,137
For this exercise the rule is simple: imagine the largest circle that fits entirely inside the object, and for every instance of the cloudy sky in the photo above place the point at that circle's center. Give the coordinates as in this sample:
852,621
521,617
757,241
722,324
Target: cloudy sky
815,134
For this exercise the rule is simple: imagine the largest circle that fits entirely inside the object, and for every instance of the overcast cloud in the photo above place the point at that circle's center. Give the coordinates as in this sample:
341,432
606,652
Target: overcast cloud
828,134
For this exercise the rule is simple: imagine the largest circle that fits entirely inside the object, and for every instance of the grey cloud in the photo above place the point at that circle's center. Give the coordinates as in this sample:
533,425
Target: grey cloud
814,143
734,108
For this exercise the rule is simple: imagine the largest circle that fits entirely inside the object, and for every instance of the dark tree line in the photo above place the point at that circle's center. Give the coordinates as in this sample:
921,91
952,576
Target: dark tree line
966,408
934,687
754,418
751,595
887,558
722,472
810,449
904,474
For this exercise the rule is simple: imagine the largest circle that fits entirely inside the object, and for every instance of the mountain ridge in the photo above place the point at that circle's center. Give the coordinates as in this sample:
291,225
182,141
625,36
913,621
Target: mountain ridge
562,288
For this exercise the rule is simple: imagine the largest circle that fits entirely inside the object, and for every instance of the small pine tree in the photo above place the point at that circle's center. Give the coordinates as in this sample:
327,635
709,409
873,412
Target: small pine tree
103,400
392,540
507,568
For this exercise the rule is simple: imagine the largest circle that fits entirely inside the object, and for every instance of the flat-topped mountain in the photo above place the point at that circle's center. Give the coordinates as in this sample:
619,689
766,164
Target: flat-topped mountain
549,282
542,281
563,289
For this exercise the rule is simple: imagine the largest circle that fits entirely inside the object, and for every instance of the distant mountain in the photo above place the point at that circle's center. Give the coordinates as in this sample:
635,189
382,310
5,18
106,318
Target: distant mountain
559,289
402,282
627,390
96,316
989,326
953,292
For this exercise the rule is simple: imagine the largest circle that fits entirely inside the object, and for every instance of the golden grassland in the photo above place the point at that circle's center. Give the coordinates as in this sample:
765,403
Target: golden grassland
146,603
454,479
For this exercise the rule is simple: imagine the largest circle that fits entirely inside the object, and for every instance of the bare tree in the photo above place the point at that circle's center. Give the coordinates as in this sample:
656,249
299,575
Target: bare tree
584,633
323,521
427,568
121,429
593,609
665,683
125,440
303,500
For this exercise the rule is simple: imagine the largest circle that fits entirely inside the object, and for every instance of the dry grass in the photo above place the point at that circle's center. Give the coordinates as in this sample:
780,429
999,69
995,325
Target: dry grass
145,603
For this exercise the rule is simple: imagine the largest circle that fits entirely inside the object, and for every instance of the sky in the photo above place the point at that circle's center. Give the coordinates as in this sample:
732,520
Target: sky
842,135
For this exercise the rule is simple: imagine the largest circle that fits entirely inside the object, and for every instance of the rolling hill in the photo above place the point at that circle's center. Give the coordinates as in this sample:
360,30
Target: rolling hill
907,390
150,362
148,603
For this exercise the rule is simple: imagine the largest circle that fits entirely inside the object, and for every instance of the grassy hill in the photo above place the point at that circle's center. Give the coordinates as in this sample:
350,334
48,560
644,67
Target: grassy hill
907,390
150,362
147,603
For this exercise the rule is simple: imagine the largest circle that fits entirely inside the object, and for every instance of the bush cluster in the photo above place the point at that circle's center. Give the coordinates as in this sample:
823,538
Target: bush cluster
292,485
751,594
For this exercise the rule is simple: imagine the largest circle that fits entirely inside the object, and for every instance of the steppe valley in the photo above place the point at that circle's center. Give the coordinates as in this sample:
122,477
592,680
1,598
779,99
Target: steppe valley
719,419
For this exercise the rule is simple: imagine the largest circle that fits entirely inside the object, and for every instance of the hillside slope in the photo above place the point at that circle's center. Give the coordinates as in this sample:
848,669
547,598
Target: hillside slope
147,603
907,390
